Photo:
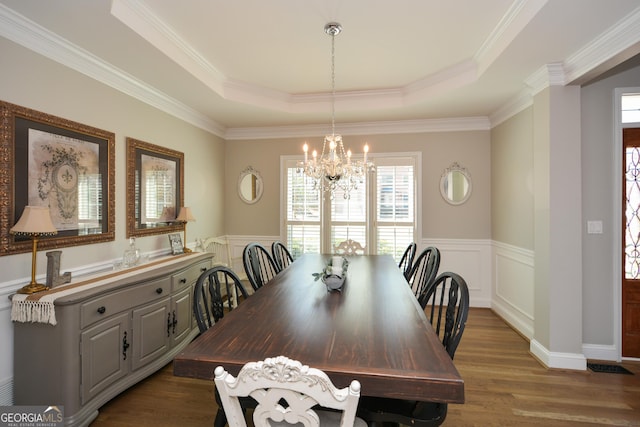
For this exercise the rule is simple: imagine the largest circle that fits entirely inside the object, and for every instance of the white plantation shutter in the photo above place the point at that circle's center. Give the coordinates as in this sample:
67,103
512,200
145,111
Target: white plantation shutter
380,215
395,206
303,212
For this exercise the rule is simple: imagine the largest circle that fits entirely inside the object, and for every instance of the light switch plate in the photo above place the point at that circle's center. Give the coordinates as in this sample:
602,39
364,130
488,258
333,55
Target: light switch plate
594,227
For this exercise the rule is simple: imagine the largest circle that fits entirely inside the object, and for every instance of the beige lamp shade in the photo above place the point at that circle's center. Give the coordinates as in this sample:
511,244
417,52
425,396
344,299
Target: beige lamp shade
185,215
35,220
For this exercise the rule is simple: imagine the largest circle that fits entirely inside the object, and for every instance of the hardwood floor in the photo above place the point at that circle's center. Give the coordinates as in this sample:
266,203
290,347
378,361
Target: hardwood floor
504,386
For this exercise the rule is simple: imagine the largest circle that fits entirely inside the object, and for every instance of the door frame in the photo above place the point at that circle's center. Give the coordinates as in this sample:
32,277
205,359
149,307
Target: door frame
617,216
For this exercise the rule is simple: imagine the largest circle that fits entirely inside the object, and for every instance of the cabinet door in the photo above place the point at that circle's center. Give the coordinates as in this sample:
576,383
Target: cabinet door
151,332
181,315
105,354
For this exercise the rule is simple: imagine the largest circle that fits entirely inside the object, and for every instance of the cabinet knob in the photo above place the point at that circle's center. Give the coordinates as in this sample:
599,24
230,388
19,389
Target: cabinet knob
183,280
159,291
203,269
102,309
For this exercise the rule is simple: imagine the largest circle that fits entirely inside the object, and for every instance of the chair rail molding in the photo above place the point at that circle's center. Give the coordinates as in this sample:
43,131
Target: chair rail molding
237,242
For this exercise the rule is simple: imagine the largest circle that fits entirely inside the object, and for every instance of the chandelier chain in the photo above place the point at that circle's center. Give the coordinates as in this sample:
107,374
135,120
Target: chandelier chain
333,83
334,170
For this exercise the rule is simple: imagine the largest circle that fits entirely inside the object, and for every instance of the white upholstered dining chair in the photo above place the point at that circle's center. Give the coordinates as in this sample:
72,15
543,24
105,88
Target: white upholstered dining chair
287,392
219,248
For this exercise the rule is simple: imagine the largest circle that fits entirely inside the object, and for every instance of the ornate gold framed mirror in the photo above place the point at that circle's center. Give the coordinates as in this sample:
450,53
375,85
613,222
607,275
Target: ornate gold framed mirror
155,189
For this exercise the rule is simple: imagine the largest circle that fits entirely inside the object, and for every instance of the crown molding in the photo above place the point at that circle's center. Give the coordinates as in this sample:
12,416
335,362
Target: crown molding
30,35
141,19
618,39
545,76
454,77
615,41
364,128
624,35
519,103
519,14
20,30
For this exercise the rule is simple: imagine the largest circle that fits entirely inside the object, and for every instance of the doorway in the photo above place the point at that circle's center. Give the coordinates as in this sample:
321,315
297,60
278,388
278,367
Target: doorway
631,243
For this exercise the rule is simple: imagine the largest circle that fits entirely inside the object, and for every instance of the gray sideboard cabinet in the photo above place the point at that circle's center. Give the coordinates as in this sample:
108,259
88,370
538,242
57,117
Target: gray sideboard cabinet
107,337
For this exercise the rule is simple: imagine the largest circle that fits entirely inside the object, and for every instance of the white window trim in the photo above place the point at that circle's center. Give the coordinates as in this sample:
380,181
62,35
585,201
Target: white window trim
416,155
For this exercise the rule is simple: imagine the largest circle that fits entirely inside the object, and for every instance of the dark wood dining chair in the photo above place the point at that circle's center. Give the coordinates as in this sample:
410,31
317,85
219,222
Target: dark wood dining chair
406,262
209,305
424,271
216,290
447,310
258,264
281,255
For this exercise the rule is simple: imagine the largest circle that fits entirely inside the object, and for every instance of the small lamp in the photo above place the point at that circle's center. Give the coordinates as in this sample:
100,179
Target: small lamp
34,222
185,216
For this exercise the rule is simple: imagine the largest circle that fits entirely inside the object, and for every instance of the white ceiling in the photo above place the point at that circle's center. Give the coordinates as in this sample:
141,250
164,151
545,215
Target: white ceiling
255,68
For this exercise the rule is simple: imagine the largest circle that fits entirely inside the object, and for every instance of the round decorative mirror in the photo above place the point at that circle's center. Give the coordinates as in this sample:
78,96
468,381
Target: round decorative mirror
455,184
250,185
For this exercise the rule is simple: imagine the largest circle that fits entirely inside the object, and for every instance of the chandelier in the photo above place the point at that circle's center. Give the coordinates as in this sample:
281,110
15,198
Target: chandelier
334,169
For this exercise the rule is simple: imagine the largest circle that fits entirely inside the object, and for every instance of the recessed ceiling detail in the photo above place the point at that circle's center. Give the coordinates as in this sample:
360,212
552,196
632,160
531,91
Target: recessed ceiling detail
404,66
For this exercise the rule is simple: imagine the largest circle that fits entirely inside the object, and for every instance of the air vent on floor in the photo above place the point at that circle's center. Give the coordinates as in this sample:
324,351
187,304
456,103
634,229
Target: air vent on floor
608,368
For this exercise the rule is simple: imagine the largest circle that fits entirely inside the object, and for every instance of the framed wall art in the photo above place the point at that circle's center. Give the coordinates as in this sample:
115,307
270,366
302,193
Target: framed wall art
155,189
60,164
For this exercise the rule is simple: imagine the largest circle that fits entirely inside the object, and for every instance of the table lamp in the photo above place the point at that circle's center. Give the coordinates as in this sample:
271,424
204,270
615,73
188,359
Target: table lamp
185,216
34,222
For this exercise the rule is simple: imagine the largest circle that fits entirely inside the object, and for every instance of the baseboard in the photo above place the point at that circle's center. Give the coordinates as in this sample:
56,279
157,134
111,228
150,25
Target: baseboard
574,361
600,352
6,392
515,318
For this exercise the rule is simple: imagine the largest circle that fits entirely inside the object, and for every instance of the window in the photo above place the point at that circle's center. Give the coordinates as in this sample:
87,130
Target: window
630,103
395,206
303,213
380,214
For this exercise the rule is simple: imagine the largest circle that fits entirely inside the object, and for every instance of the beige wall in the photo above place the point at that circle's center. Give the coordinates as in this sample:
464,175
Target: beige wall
601,194
34,82
470,149
512,181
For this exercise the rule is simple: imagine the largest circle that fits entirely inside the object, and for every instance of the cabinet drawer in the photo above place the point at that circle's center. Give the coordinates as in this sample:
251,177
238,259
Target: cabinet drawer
116,302
189,276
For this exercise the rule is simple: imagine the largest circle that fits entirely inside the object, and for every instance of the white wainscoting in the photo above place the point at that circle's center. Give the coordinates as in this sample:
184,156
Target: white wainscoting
236,247
513,300
6,337
513,293
499,276
471,259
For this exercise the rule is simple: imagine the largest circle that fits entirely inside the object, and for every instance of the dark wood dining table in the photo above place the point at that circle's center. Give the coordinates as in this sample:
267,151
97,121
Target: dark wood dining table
373,330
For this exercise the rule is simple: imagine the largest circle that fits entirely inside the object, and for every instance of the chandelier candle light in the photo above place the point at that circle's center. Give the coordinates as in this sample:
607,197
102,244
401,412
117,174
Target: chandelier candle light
334,169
